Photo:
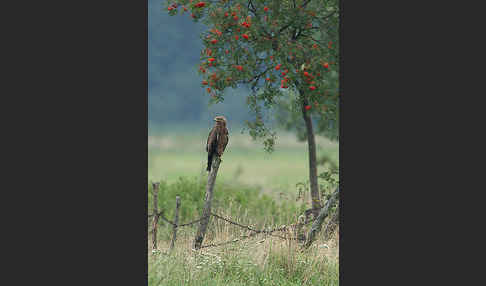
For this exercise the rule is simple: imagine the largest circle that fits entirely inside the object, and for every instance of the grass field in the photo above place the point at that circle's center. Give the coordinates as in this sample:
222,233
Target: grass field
249,190
258,260
183,155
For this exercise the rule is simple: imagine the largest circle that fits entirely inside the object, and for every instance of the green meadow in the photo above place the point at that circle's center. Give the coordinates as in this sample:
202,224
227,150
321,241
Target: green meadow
253,187
182,154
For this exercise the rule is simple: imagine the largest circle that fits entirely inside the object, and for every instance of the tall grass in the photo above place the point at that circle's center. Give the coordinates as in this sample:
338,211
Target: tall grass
259,260
253,188
235,199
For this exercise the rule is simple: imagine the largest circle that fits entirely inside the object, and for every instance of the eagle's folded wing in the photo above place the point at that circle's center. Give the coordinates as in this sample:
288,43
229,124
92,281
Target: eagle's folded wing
207,142
226,139
223,141
212,138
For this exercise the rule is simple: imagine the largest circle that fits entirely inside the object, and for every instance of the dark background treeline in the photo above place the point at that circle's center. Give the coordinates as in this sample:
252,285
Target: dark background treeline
176,96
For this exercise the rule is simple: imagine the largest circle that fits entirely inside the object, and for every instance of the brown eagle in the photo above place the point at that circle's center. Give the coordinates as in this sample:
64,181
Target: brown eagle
217,140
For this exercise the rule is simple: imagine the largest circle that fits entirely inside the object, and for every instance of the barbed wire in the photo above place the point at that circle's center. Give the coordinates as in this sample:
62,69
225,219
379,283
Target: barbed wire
248,227
230,241
192,222
282,228
254,231
161,215
245,237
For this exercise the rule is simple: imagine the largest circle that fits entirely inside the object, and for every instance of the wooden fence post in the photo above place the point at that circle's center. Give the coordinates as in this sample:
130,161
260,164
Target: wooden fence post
201,231
317,225
299,235
155,193
332,224
176,221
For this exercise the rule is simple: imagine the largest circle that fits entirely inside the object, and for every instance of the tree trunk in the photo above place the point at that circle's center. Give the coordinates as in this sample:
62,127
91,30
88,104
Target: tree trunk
311,143
317,225
176,222
201,231
155,212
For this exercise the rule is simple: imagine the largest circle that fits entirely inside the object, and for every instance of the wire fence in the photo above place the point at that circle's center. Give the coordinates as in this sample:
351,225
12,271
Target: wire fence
290,232
161,215
270,232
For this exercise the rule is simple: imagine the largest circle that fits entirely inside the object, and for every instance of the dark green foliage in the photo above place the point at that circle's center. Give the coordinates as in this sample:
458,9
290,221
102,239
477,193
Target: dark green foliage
289,115
328,181
295,41
326,160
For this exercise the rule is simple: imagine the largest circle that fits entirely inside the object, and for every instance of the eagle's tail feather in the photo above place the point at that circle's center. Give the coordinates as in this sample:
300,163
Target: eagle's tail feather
210,160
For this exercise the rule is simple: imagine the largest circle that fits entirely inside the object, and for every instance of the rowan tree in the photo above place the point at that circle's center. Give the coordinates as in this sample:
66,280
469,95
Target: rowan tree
284,51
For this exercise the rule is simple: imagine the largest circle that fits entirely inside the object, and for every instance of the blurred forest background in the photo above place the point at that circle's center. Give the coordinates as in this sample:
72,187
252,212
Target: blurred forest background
176,97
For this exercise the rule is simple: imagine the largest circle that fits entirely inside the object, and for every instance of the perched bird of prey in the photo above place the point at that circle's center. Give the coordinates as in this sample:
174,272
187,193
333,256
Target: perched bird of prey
217,140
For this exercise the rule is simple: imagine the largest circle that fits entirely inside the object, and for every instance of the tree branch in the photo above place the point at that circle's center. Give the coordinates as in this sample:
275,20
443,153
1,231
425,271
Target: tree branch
316,40
258,76
285,27
305,4
298,34
254,9
325,17
317,225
